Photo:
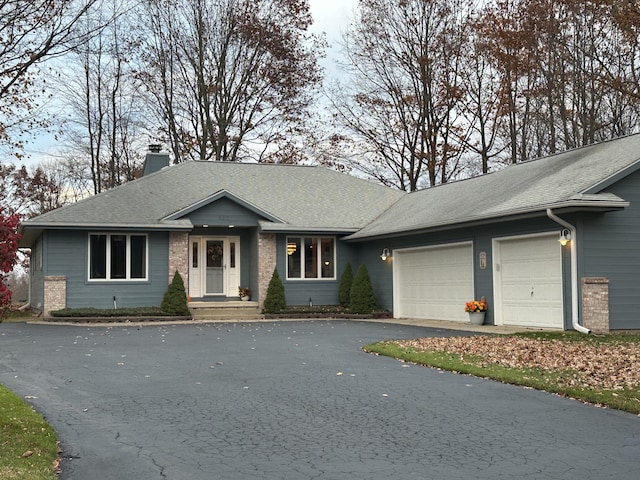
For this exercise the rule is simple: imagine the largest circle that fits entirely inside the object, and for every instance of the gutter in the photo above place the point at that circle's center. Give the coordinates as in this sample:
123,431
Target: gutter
575,321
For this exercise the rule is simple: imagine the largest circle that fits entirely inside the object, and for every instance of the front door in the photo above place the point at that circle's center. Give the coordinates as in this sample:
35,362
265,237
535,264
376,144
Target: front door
214,266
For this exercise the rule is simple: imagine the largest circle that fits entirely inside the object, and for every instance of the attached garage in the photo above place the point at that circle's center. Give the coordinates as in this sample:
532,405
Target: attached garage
528,281
434,282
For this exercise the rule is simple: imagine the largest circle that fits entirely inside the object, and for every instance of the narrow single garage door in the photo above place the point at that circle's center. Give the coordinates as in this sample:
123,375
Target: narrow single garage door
433,282
528,274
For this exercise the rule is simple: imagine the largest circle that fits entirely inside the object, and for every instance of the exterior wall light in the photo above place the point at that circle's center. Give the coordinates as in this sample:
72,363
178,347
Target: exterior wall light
565,237
385,254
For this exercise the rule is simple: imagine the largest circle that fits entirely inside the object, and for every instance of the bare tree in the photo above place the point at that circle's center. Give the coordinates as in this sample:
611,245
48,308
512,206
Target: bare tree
229,79
101,93
30,32
400,106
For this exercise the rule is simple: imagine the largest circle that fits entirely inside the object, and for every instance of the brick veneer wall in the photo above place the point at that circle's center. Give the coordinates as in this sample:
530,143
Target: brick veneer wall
55,294
179,256
595,304
266,263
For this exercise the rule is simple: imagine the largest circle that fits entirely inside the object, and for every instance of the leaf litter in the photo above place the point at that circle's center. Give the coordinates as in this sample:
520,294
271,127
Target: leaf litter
610,365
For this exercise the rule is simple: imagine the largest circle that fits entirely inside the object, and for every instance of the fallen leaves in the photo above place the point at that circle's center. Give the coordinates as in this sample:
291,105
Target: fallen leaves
613,365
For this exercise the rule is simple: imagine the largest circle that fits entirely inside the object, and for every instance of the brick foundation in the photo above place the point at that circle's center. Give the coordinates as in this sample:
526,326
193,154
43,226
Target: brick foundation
595,304
179,256
266,263
55,294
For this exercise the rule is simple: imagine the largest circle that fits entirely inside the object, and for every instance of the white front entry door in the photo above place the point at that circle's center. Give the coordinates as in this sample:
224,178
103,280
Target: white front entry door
214,266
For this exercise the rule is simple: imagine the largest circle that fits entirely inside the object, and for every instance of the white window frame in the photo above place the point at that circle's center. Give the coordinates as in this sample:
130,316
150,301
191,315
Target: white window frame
128,277
318,239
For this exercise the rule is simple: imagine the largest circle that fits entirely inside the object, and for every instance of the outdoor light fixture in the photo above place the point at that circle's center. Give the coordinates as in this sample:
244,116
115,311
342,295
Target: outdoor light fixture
385,254
565,237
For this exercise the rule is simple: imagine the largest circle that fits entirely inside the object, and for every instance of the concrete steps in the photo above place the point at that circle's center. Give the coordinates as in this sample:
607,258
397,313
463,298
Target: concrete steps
233,311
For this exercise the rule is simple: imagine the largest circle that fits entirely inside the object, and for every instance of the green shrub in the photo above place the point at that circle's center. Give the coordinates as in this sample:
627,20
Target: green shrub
344,290
363,300
275,300
175,299
108,312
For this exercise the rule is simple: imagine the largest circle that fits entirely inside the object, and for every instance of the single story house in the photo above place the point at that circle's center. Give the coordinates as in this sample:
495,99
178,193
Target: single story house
226,225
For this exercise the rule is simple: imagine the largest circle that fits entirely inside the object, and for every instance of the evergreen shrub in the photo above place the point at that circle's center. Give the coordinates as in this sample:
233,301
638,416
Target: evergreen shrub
344,290
174,301
275,300
362,299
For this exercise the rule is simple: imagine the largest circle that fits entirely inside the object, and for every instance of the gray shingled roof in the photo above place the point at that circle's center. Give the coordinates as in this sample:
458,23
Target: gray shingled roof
568,180
302,197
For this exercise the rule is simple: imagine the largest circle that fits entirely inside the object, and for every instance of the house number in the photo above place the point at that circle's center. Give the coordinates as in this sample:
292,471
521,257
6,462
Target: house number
483,260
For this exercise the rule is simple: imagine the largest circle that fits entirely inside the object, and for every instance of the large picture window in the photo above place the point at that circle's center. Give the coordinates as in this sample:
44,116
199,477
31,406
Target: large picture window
311,258
117,256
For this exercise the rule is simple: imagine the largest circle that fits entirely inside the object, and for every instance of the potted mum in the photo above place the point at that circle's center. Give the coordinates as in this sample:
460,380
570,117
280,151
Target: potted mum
244,293
476,310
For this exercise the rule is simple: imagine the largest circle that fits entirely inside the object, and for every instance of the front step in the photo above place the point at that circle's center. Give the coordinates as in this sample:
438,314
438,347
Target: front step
225,311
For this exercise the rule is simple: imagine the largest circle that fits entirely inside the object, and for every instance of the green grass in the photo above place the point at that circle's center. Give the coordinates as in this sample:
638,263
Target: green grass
22,430
16,316
627,399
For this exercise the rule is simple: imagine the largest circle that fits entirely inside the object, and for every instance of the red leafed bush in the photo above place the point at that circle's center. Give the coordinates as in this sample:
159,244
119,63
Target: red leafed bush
9,238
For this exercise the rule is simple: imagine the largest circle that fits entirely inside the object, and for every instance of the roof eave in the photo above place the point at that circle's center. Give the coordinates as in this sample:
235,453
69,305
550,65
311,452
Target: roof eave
268,227
568,206
32,230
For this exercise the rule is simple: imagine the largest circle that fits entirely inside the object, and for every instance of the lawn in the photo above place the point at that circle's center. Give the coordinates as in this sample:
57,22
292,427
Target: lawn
28,447
600,369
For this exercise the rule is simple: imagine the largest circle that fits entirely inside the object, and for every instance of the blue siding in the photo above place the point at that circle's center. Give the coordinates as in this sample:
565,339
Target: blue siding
481,236
610,247
223,212
66,254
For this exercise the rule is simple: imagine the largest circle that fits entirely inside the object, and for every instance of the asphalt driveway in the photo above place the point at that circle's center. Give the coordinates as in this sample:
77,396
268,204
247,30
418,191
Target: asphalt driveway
294,400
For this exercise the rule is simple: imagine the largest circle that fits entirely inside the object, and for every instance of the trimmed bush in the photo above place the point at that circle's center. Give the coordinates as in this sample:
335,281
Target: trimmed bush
344,290
275,300
109,312
175,299
363,300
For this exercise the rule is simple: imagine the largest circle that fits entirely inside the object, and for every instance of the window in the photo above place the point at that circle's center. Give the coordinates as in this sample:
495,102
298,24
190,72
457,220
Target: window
311,258
117,257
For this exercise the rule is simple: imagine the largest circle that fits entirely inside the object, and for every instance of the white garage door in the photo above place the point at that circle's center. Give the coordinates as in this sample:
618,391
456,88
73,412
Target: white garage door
433,283
528,281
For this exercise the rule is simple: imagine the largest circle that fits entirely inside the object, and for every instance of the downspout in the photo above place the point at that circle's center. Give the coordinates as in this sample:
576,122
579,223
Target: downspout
574,272
28,304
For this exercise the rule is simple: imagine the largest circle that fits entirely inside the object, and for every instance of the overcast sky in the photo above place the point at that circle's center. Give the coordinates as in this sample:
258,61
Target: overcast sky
329,16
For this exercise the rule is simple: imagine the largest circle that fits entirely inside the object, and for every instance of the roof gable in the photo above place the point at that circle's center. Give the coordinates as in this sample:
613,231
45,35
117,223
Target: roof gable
284,196
222,194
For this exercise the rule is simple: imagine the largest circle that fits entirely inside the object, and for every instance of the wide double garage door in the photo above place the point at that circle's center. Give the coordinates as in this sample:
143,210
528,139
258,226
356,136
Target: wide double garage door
434,283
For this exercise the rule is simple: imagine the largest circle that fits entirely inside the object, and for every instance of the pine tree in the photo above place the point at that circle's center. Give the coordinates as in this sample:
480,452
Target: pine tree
175,298
363,300
275,300
344,290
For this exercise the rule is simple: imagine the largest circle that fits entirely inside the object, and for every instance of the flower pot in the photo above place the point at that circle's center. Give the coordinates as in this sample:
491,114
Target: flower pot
245,298
476,318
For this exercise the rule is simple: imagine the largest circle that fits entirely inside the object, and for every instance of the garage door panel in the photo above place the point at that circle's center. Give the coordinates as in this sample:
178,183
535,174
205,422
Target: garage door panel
530,282
434,283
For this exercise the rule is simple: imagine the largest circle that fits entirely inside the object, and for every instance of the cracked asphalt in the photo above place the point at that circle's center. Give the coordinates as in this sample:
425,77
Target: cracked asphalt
294,400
